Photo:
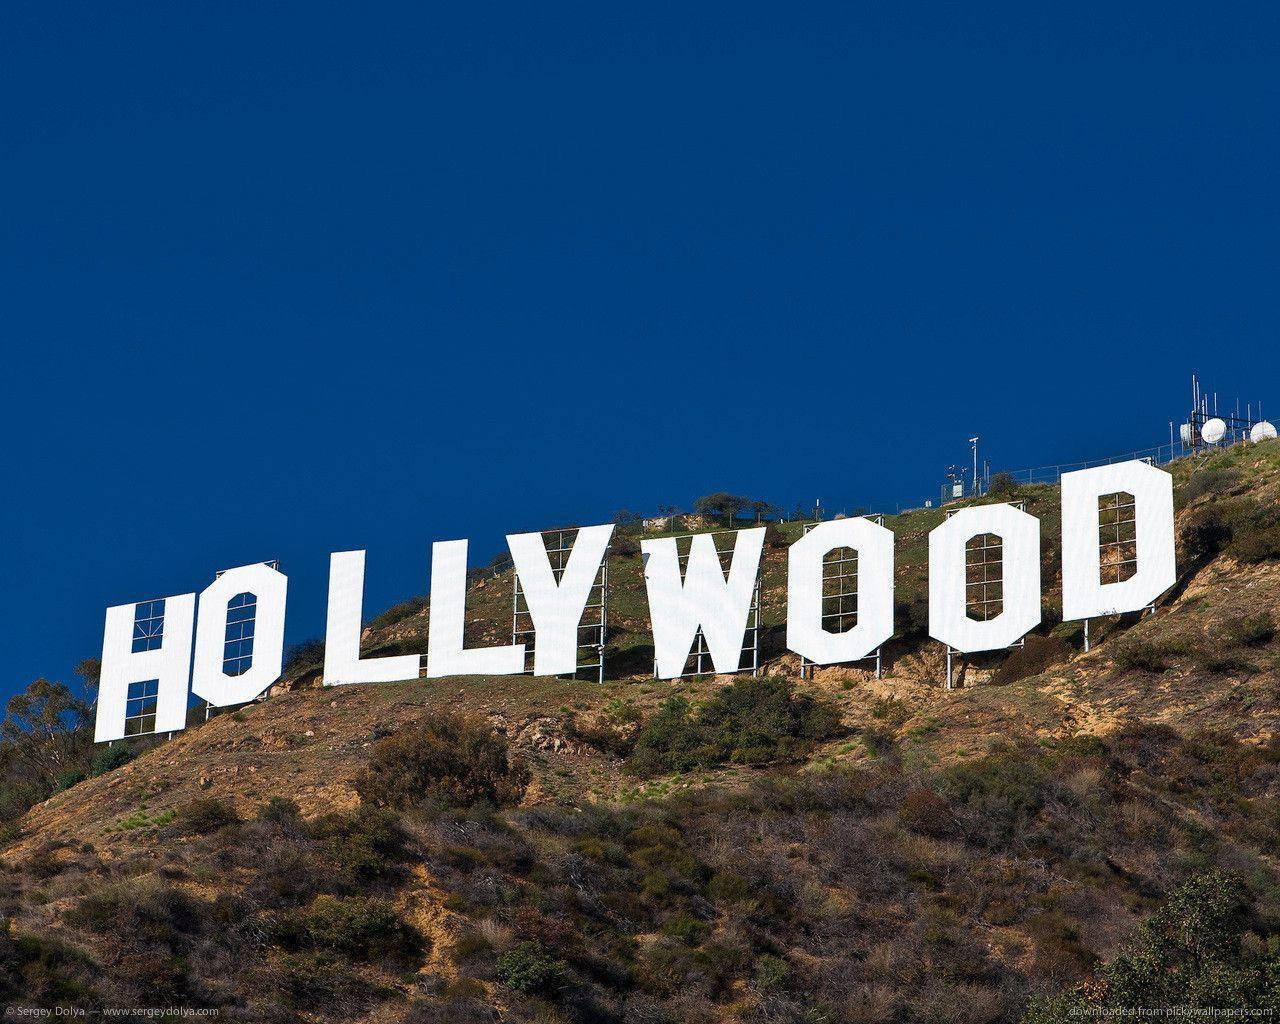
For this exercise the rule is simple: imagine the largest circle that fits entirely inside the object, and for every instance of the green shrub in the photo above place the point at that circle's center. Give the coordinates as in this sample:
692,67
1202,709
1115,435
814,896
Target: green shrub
1133,653
1250,630
727,887
360,926
399,612
892,712
112,756
368,843
67,779
449,760
1261,544
1078,751
205,815
1245,528
771,972
37,971
280,810
1003,486
527,967
144,910
924,812
1190,954
1205,533
1208,481
686,928
998,792
316,979
751,721
305,654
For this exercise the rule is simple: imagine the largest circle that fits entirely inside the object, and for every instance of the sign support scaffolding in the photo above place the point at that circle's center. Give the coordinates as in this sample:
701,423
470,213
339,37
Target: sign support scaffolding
840,599
593,627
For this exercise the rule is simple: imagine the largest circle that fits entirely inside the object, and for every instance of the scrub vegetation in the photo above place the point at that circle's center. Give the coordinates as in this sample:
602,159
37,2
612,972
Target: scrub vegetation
1068,833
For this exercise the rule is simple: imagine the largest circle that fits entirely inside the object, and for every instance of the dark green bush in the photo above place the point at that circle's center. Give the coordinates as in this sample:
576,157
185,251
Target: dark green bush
528,967
360,926
200,817
280,810
448,760
1146,655
1003,486
108,758
1205,533
303,655
1208,481
37,971
1250,630
727,887
686,928
1245,528
368,843
1077,751
1258,544
1190,954
926,813
751,721
143,910
399,612
316,979
771,972
998,793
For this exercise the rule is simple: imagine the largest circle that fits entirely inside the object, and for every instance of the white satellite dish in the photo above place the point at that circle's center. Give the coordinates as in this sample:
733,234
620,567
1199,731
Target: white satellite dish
1213,431
1261,431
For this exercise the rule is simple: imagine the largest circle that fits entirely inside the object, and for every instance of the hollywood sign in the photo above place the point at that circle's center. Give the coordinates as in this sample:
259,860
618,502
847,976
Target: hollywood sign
151,664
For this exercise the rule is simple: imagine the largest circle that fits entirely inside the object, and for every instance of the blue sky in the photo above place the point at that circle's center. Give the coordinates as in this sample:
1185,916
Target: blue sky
292,278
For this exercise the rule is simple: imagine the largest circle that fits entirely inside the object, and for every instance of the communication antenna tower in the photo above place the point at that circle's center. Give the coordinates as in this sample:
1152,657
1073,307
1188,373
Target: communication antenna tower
1208,426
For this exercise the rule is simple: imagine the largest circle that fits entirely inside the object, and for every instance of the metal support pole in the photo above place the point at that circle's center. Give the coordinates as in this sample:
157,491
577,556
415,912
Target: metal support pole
604,612
1086,635
755,642
949,686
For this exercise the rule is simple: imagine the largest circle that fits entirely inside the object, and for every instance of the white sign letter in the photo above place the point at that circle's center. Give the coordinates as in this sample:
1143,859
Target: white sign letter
556,607
240,635
806,634
1018,575
704,599
1084,595
146,666
446,653
342,661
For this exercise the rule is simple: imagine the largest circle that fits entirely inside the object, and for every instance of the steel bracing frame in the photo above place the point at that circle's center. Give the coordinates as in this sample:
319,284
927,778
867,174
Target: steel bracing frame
698,662
840,598
593,627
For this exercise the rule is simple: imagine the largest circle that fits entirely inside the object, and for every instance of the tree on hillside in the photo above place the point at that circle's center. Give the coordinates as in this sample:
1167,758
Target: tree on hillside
44,739
730,507
1003,485
764,511
1192,953
721,505
626,521
802,514
89,670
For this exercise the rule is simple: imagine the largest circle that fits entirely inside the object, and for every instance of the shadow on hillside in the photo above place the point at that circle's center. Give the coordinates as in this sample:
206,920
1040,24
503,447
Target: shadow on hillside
633,661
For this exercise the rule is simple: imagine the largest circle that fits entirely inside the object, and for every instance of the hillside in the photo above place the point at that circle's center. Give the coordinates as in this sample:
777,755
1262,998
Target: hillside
841,848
